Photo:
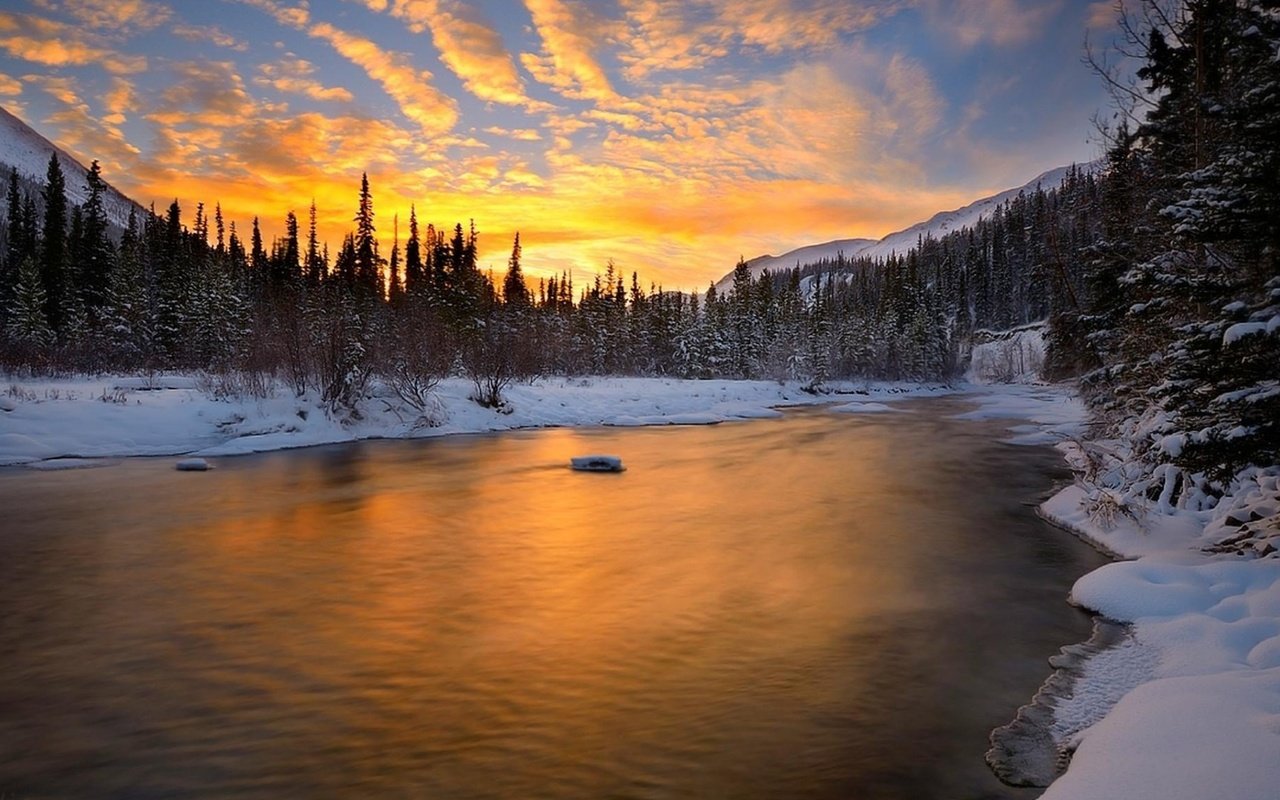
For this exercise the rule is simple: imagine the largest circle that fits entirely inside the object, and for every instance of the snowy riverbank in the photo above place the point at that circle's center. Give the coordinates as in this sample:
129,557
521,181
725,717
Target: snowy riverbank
48,423
1204,718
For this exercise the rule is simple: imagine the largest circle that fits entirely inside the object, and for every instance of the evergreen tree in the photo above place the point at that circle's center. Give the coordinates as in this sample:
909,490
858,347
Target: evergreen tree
220,229
53,256
27,325
366,260
95,251
258,261
395,289
126,318
514,291
414,275
16,246
287,269
314,265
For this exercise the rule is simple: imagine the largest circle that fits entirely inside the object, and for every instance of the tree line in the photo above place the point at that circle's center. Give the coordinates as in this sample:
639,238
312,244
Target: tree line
168,295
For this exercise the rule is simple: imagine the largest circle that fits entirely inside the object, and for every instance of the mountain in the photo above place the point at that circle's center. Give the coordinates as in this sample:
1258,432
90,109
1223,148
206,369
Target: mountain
27,151
937,226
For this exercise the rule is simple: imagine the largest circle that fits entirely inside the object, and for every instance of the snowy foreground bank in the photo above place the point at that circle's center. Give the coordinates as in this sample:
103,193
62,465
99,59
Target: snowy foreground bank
1188,706
1204,718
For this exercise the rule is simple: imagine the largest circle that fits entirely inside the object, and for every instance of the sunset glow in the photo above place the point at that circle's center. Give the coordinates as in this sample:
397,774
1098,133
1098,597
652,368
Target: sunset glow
671,136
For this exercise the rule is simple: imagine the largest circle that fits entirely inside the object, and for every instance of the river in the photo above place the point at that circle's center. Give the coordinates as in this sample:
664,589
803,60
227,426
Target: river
818,606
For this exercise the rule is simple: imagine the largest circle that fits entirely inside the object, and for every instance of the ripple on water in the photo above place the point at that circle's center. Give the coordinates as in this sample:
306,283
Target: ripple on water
763,609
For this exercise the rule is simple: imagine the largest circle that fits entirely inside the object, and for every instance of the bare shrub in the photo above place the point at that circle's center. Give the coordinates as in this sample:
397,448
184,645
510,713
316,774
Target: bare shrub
420,356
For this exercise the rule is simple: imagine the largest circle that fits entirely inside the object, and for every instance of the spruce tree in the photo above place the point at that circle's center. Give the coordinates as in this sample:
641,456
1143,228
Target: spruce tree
53,254
414,276
96,252
366,262
514,292
314,265
16,246
27,324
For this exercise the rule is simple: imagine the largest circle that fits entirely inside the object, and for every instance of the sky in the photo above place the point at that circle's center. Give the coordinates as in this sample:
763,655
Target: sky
669,136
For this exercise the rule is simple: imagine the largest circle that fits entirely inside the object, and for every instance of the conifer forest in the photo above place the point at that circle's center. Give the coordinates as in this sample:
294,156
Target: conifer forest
1156,270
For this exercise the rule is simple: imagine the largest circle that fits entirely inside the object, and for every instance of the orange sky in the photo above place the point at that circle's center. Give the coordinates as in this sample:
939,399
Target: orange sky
670,136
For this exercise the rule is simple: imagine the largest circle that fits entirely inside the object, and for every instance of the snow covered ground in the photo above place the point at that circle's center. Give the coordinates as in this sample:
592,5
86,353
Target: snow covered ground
1204,719
47,423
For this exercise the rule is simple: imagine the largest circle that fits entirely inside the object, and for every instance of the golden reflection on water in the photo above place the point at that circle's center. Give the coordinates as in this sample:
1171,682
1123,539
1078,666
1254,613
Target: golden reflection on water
753,610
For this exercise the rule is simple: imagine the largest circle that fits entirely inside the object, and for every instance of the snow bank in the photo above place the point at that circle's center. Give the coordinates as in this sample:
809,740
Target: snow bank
169,415
1205,719
1207,724
1052,412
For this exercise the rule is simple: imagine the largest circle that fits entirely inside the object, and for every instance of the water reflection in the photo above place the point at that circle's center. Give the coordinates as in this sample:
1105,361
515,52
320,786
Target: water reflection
811,607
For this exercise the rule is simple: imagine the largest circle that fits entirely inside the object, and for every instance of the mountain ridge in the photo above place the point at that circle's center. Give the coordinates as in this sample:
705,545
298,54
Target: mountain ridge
940,224
23,148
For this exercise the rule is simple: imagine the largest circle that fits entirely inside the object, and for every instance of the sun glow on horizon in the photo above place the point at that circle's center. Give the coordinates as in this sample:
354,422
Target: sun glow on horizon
669,137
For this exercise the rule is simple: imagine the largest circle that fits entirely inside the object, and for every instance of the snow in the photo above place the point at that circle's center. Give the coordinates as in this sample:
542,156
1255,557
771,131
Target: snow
1240,330
1105,678
1053,413
192,465
169,414
1190,706
1207,723
900,242
21,147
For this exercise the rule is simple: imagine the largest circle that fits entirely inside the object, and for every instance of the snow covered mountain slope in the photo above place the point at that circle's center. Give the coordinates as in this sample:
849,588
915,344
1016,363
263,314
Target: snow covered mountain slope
21,147
937,226
803,255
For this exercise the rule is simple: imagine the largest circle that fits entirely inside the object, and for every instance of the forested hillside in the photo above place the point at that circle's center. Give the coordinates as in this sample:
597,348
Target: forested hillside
1158,275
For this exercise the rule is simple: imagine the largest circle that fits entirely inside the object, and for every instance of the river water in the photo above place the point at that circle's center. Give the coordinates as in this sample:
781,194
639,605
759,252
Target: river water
819,606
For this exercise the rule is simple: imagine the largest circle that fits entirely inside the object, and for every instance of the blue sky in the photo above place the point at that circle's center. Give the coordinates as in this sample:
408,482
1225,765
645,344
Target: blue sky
670,136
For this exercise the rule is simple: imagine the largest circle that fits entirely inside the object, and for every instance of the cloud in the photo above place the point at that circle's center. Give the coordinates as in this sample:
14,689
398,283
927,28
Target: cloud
998,22
519,134
683,35
56,44
468,45
209,33
203,93
114,16
431,110
567,63
668,36
120,100
780,25
293,75
297,16
80,132
10,87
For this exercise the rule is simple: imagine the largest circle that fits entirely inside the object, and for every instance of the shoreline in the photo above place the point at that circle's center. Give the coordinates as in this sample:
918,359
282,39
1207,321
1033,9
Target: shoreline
44,421
1025,752
1170,696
